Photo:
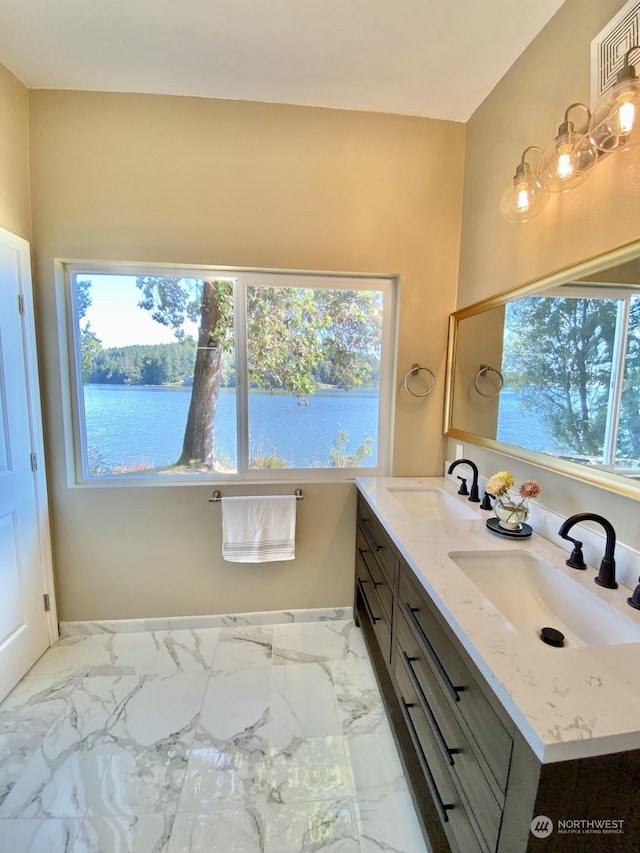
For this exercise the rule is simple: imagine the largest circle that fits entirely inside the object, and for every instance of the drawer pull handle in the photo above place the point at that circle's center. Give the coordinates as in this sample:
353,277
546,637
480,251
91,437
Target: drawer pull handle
446,751
442,806
453,690
373,619
362,553
371,537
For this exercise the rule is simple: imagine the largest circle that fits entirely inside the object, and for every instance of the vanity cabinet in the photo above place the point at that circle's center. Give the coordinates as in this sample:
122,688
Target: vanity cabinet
475,781
376,576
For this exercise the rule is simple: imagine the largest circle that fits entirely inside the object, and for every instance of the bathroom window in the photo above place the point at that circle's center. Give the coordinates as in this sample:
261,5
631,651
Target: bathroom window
192,374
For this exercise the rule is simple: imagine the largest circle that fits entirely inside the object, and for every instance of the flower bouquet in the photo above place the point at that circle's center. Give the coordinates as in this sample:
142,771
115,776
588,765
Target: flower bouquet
511,510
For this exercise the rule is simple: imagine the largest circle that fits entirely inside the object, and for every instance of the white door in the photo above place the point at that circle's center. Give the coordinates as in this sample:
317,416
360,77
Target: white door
24,535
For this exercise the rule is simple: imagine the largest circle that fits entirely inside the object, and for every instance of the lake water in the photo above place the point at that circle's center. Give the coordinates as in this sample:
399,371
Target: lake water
516,423
131,423
128,424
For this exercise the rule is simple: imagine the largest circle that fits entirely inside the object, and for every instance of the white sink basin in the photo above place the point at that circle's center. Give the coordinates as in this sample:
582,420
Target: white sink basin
532,595
430,503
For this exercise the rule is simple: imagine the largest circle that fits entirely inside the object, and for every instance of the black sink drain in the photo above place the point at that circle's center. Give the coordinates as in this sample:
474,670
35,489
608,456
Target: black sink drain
552,637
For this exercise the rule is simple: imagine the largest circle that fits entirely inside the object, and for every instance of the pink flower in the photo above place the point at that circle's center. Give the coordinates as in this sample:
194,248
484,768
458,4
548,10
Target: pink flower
498,485
529,489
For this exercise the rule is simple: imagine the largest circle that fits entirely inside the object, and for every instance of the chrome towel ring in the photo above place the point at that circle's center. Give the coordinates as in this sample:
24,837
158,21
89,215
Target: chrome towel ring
484,369
415,369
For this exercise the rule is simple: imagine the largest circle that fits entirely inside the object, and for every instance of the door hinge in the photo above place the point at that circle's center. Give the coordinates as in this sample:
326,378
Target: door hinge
47,603
34,462
21,304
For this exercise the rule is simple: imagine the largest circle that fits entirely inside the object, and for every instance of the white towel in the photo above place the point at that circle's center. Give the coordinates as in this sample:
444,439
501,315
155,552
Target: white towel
259,530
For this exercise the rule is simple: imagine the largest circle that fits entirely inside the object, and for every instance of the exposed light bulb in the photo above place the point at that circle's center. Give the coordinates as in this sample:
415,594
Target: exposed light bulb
626,117
568,160
564,168
614,124
522,199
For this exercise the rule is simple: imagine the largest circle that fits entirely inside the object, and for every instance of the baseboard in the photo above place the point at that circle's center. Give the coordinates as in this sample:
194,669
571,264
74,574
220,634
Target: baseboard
177,623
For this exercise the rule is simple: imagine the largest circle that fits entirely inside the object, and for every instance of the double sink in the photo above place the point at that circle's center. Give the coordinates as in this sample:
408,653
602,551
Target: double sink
528,592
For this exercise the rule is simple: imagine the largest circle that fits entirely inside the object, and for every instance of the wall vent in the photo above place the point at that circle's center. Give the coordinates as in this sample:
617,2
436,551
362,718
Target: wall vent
610,45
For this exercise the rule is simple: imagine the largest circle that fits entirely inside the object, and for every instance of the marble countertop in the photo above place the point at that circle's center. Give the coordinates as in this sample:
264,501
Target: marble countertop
567,702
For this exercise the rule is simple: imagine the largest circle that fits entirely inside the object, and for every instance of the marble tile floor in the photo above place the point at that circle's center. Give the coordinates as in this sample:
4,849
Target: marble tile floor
216,740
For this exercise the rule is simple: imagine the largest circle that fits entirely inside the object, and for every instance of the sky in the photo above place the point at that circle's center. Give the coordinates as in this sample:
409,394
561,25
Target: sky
115,317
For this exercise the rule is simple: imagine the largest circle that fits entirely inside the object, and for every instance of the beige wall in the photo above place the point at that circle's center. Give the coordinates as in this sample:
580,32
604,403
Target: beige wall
15,212
478,341
150,178
525,109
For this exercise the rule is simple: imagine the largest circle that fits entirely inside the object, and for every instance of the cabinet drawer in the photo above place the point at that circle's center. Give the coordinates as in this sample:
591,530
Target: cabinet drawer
454,746
447,799
379,542
379,580
480,723
366,592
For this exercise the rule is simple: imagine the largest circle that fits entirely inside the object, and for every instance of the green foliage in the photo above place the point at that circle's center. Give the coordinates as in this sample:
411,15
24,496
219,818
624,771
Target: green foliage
268,461
299,336
83,298
340,458
90,351
259,459
144,364
90,344
172,301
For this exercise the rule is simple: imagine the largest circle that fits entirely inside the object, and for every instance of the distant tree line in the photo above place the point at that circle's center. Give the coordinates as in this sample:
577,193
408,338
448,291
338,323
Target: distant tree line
143,364
167,364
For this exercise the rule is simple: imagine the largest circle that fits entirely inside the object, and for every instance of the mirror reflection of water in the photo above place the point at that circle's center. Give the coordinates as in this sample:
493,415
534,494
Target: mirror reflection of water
523,427
131,423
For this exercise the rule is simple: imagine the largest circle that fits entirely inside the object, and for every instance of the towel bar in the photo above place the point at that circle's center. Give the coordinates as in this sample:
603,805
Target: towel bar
217,496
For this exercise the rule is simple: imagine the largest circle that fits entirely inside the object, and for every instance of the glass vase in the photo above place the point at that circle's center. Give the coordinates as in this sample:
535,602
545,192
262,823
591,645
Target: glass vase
511,511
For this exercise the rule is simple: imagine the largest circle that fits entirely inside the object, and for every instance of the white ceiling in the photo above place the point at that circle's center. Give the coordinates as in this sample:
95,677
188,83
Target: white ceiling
437,58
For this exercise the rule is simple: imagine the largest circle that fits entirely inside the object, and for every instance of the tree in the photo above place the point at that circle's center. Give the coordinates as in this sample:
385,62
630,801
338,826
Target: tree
172,301
294,333
558,354
90,343
290,333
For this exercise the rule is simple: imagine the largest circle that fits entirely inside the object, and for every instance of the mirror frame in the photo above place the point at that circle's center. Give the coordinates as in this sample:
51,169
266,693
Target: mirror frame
629,487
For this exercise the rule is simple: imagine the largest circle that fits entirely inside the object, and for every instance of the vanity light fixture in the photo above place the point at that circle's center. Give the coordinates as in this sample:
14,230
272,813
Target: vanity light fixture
523,198
569,159
615,124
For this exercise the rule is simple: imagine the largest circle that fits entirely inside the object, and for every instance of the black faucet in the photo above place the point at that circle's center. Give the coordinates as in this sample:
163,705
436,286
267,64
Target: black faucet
473,494
607,574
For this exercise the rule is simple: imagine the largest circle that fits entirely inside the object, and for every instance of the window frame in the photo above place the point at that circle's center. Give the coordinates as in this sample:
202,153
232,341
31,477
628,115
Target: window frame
75,424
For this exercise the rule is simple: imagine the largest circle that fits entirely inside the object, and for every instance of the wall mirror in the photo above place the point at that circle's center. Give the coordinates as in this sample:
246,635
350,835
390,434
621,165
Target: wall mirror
550,372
